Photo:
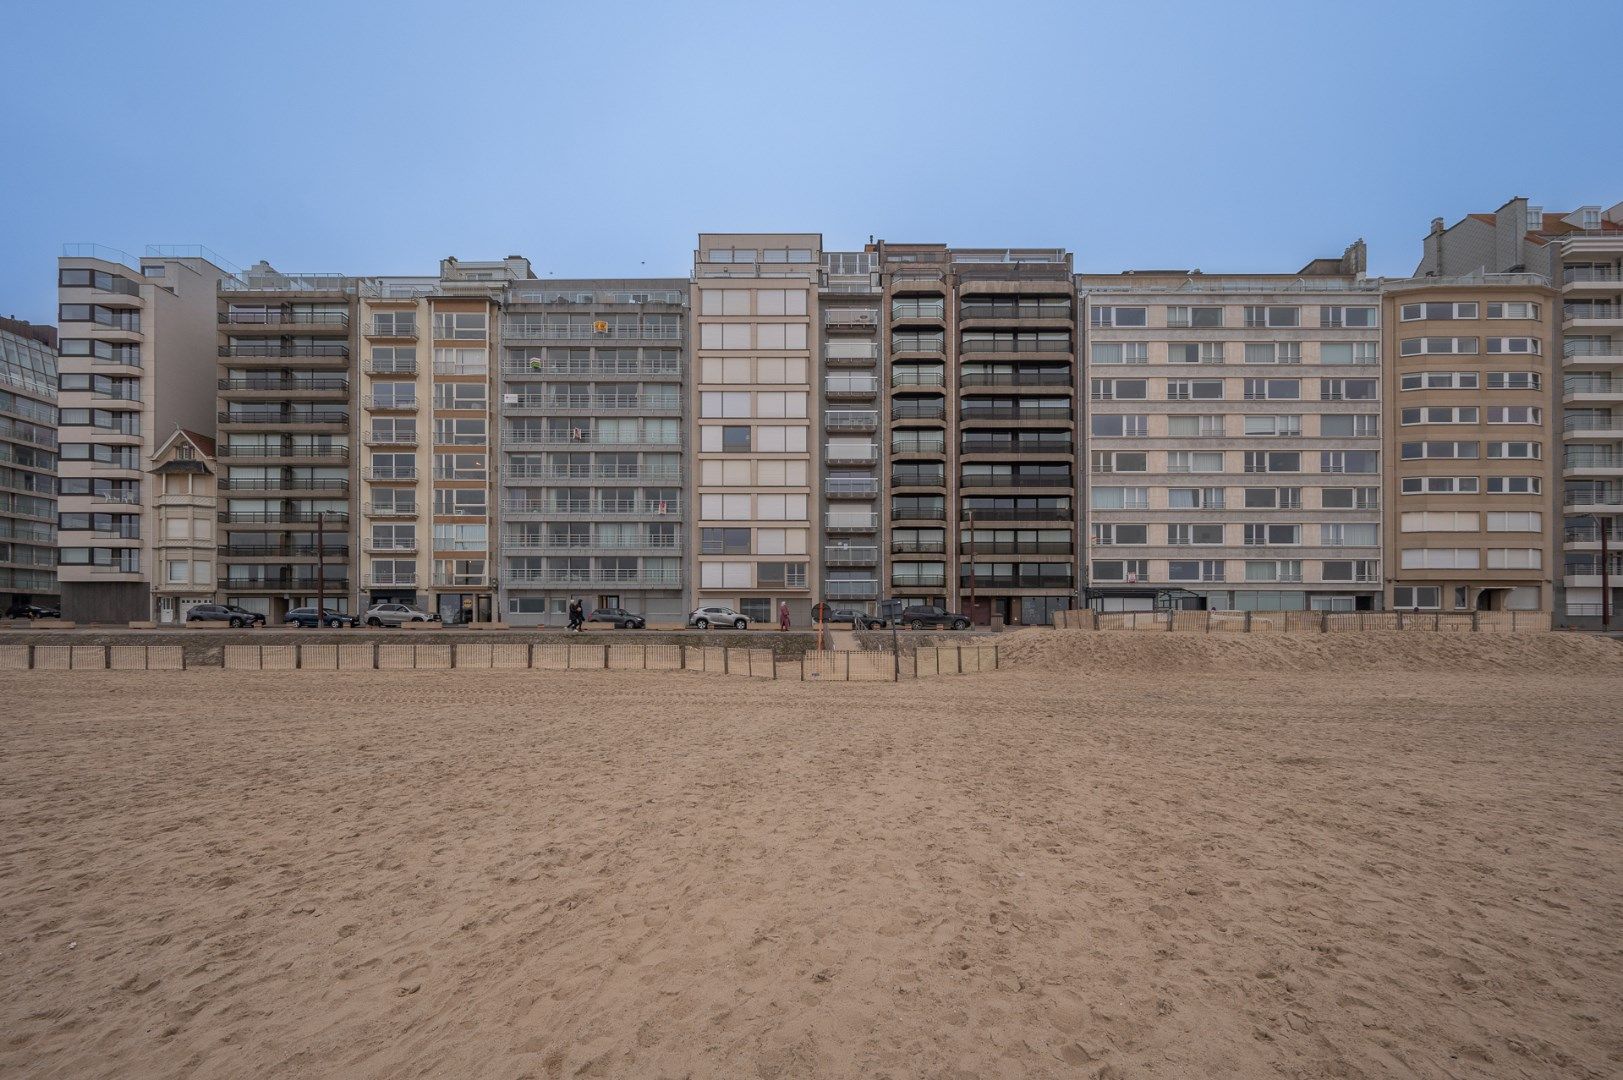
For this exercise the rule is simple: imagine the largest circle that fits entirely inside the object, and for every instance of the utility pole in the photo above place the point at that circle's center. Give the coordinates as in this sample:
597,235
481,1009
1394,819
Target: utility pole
321,569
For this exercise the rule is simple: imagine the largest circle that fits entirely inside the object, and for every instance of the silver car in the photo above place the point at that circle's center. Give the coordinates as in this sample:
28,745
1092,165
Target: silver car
718,615
395,614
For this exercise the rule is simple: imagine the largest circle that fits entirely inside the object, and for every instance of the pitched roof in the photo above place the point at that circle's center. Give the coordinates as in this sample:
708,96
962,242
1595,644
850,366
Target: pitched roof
199,440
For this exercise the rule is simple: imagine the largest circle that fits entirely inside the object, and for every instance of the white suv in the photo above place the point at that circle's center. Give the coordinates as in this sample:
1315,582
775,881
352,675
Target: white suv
718,615
394,615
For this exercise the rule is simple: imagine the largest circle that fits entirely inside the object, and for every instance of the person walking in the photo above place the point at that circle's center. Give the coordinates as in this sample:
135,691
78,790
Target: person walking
783,615
576,618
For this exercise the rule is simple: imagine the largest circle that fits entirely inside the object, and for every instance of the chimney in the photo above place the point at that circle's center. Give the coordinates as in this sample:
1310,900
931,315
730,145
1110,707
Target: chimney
1437,226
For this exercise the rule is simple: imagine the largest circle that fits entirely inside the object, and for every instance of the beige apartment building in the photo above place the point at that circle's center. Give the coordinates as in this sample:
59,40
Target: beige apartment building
1580,252
754,386
852,430
137,348
1234,442
1469,402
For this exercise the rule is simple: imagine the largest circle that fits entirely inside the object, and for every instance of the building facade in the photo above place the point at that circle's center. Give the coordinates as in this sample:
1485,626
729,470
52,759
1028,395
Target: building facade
592,416
28,463
182,478
851,431
1234,441
137,346
755,457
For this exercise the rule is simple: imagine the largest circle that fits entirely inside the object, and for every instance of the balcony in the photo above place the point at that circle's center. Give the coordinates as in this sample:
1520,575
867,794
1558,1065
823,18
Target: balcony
395,546
613,510
390,404
971,445
1034,513
391,438
851,419
281,551
284,386
389,581
972,412
1593,427
1581,315
1016,378
918,478
850,353
1605,500
841,555
1595,461
1587,354
390,367
392,331
562,473
1016,480
653,545
278,355
332,454
1604,389
918,513
1605,276
331,586
1018,581
285,483
850,521
647,367
521,331
918,581
290,418
334,518
836,387
856,455
390,475
622,405
1016,547
392,510
918,547
585,579
851,589
928,447
519,440
850,487
931,409
285,321
851,318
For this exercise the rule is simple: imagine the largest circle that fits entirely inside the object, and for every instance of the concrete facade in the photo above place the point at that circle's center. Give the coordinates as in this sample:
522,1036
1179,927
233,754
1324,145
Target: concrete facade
28,463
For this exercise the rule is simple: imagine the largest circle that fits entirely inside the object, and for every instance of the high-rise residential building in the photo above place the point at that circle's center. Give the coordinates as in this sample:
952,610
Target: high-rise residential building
1234,441
756,481
1580,253
28,482
284,424
182,480
1468,392
592,476
981,407
137,361
851,430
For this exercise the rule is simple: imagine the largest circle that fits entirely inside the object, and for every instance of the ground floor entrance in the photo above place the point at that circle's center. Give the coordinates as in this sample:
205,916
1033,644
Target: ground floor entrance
173,609
459,608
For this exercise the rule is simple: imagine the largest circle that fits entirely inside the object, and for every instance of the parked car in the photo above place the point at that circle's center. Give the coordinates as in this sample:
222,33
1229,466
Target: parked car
859,619
620,617
391,614
718,615
32,611
226,613
306,617
927,616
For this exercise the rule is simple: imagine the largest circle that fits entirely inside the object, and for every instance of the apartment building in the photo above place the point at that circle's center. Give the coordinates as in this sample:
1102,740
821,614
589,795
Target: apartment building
1234,442
1469,405
1580,252
137,346
852,430
28,483
182,480
284,433
592,409
756,481
981,407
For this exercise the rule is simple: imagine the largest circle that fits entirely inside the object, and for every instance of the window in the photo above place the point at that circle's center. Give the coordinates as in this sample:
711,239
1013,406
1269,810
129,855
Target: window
1194,535
1425,597
734,403
1355,425
1347,389
460,466
1348,461
1347,316
1350,570
1122,352
1515,414
1195,425
1106,425
1439,521
461,362
1515,559
1273,535
459,395
1205,352
1414,312
459,432
1194,389
1118,316
1282,424
1112,534
1440,559
1273,389
1120,389
1440,485
1105,461
1515,521
1515,380
1528,450
1350,352
455,502
394,324
1435,346
1194,316
459,325
1273,461
1272,498
1525,345
1349,534
1121,569
1415,451
1515,485
461,537
1198,461
1520,310
394,395
1273,316
1273,352
1350,498
1195,498
1440,414
1195,570
1121,498
1273,570
1439,380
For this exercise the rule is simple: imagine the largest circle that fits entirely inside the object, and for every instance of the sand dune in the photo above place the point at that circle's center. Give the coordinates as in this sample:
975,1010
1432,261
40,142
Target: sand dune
1070,873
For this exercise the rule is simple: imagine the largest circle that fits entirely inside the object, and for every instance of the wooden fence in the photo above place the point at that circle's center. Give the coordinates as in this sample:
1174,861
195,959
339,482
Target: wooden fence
1305,622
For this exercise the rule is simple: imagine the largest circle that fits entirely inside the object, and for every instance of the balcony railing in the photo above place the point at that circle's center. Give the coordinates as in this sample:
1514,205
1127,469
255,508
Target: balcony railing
1013,412
912,478
856,318
1033,581
846,521
331,586
624,403
334,453
289,517
1592,497
1016,480
530,332
586,368
291,551
919,581
935,411
1593,423
851,588
850,353
376,437
391,367
1605,312
1015,547
392,510
918,513
850,385
1591,273
850,419
647,578
1034,513
631,508
838,555
918,446
389,581
1015,378
668,544
291,483
314,416
334,384
391,404
660,474
918,547
393,545
867,453
283,352
408,332
284,318
1015,446
850,487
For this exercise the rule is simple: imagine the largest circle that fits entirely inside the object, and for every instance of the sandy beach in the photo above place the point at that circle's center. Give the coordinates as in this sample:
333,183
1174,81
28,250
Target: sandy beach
1118,858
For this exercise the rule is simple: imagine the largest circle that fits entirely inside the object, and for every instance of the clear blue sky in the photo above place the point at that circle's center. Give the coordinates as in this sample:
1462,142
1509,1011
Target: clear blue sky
597,139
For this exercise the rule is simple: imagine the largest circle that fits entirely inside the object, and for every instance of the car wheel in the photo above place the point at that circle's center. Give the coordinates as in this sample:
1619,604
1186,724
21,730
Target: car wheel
741,624
702,624
918,624
374,621
960,625
236,624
